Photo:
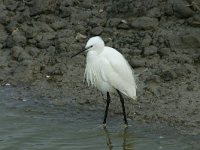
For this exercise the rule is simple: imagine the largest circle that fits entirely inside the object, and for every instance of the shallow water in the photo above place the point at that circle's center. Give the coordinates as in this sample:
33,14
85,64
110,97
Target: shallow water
27,123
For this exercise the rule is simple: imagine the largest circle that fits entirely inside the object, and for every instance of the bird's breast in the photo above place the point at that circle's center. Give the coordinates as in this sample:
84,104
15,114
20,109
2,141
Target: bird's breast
92,70
93,74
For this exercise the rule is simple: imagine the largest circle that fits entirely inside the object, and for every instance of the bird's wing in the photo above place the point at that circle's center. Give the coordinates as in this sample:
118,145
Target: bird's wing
116,71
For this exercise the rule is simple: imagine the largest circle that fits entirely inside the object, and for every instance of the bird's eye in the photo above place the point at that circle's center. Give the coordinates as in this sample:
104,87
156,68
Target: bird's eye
91,46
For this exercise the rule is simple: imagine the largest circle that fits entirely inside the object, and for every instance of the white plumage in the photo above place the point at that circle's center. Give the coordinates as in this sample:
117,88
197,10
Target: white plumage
107,70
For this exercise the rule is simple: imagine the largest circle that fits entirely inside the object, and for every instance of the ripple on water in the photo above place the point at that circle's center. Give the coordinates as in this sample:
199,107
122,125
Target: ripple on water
31,126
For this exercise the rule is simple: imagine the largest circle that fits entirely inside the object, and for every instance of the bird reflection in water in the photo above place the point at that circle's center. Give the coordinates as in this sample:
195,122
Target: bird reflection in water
124,135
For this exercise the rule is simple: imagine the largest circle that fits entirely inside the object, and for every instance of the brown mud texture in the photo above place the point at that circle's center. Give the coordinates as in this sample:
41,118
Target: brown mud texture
159,38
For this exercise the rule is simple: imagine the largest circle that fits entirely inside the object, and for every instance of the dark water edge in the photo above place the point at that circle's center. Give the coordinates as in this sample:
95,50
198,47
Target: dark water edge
34,123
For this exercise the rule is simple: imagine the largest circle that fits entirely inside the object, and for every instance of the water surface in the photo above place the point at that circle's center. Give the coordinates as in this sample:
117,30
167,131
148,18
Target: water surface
32,123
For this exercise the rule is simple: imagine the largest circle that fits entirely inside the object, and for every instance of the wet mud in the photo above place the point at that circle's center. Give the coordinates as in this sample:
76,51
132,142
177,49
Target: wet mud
160,39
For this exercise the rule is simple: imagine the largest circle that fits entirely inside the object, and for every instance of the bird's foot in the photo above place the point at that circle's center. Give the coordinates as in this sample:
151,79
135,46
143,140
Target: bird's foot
125,125
104,125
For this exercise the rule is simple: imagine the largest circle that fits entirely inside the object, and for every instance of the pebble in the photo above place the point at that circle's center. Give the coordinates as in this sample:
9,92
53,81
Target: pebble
150,50
96,31
147,41
164,51
58,25
3,34
137,62
145,23
7,84
33,51
19,39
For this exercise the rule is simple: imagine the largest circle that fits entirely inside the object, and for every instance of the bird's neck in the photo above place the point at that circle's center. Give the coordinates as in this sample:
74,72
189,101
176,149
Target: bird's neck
92,56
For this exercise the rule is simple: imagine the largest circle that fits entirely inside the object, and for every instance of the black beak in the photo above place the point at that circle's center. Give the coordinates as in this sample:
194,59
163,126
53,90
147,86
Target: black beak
82,51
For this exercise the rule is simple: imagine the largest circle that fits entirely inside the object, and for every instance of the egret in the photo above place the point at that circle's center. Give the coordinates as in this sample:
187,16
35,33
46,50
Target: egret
108,71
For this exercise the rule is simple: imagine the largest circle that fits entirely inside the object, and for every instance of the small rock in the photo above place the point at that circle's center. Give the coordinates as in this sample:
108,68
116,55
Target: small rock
33,51
38,37
80,28
65,11
101,10
137,62
40,6
189,67
191,40
67,3
96,31
124,21
180,8
147,41
114,22
190,87
80,36
24,56
51,50
44,44
29,31
145,23
65,33
4,15
153,88
32,41
16,51
168,75
150,50
7,84
9,42
194,21
19,38
164,52
80,15
3,34
154,12
152,61
168,9
181,58
87,4
42,27
154,78
136,52
58,25
11,4
95,22
123,26
49,36
24,100
180,70
62,47
184,39
12,26
125,50
19,54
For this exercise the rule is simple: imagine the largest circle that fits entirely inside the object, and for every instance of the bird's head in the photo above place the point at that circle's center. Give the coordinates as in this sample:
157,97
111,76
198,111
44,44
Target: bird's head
93,44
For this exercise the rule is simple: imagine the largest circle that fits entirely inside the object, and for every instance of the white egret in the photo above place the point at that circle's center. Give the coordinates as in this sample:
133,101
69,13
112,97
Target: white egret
107,70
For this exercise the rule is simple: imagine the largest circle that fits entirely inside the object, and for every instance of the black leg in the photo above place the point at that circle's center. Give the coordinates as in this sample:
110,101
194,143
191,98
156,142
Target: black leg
123,108
106,111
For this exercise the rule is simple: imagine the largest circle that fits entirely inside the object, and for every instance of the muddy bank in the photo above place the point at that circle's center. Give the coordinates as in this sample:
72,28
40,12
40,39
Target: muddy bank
31,122
160,38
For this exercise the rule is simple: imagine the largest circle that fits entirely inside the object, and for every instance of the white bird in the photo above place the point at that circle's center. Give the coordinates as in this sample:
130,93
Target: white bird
107,70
